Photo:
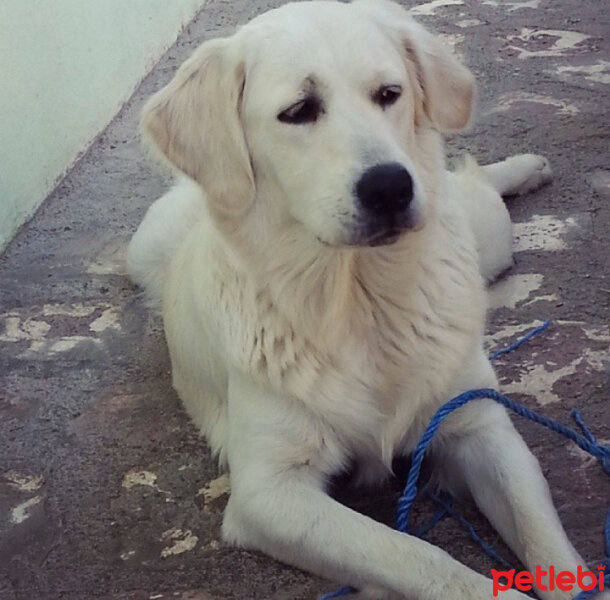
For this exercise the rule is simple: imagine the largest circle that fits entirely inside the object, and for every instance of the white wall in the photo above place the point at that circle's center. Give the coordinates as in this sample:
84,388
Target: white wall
66,67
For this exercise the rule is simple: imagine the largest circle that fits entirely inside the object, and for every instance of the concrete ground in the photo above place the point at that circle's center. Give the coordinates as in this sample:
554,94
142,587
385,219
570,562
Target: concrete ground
106,491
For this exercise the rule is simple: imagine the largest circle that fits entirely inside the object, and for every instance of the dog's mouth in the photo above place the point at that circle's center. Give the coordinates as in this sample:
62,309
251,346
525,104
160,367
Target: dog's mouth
384,238
376,232
387,231
374,240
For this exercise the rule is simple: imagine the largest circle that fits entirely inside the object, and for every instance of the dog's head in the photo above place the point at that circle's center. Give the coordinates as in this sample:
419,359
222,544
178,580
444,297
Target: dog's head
320,113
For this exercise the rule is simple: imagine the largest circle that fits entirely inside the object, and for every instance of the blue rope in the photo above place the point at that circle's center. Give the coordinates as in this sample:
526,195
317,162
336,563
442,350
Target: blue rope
410,491
344,591
448,510
587,433
526,338
602,453
441,513
586,441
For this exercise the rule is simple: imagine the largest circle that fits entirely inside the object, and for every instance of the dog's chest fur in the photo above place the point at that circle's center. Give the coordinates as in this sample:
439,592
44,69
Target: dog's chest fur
371,348
365,343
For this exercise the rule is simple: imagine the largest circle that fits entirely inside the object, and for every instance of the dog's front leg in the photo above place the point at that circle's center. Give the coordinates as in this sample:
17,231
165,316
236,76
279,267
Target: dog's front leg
278,455
479,448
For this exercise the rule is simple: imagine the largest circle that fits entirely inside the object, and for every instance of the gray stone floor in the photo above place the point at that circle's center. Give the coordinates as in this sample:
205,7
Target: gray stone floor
106,491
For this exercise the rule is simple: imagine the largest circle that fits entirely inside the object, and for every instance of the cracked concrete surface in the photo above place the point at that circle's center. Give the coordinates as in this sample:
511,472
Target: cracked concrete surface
106,491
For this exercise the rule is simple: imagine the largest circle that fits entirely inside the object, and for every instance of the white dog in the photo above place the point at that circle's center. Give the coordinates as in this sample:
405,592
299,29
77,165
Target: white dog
321,277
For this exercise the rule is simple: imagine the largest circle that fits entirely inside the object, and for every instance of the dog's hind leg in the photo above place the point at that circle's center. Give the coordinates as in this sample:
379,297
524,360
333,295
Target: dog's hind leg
519,174
487,216
479,191
162,230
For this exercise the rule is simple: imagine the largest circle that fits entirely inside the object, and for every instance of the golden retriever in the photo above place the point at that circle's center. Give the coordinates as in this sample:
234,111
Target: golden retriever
321,277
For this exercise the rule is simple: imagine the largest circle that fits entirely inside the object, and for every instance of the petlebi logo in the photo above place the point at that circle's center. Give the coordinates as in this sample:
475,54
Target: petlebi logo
550,580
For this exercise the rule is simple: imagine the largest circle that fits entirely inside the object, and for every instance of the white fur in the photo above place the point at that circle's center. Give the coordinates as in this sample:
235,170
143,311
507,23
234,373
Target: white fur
298,349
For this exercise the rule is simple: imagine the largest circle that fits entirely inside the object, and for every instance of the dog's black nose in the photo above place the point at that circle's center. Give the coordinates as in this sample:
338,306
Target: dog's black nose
385,189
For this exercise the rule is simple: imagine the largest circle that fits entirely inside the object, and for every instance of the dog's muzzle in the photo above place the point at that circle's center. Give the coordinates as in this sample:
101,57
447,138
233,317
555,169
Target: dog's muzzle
385,193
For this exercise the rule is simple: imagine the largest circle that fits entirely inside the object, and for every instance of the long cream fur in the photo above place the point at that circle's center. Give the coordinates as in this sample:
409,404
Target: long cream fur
299,352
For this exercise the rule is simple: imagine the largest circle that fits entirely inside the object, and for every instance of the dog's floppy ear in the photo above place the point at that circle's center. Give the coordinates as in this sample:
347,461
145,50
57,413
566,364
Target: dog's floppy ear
194,121
448,86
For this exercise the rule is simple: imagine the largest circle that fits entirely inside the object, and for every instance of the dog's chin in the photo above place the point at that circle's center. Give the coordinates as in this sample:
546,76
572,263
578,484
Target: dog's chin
382,238
369,240
375,235
386,236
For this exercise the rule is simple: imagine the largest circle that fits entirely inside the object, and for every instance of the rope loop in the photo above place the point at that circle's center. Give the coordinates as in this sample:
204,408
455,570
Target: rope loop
585,440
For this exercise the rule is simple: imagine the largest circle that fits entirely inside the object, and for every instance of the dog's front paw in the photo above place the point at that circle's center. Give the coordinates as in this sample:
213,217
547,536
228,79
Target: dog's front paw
532,170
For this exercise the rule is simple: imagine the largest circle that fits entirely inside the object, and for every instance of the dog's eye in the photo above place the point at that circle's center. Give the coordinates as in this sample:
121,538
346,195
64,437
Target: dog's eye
305,111
386,95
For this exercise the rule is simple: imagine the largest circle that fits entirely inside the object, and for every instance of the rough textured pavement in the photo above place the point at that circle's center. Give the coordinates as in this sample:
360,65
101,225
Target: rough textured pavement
106,491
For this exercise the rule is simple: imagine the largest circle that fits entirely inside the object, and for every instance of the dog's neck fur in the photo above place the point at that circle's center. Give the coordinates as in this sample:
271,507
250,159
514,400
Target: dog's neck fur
328,288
